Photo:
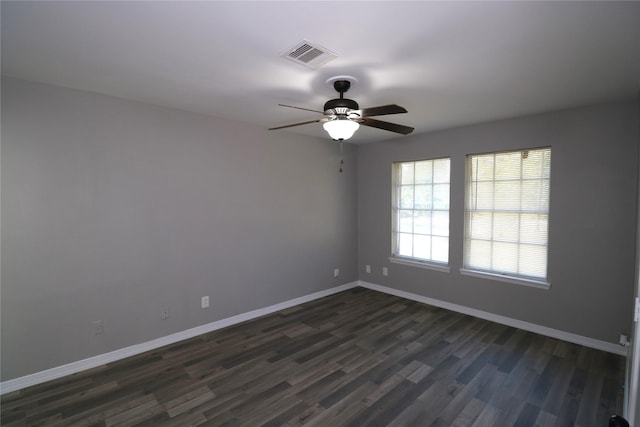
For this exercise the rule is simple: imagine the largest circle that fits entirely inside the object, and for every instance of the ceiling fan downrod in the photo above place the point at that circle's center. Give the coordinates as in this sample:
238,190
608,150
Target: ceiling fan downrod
341,106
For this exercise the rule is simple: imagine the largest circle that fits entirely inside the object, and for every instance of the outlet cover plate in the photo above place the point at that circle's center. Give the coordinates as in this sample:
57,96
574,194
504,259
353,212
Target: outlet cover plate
98,327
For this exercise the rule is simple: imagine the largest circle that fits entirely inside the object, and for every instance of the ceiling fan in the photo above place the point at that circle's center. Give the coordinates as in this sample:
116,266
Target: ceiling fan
342,116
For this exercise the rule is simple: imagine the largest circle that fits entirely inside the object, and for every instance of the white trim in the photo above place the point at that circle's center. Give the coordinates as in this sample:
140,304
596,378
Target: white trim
101,359
430,265
531,327
504,278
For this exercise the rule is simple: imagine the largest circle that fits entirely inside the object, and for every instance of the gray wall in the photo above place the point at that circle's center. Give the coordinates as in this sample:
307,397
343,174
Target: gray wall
594,164
113,210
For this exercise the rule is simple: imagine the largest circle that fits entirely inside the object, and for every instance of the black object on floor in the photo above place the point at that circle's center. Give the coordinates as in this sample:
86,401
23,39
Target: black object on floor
618,421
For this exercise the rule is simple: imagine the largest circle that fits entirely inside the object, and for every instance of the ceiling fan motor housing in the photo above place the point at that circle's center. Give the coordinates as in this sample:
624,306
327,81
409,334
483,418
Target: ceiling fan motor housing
340,106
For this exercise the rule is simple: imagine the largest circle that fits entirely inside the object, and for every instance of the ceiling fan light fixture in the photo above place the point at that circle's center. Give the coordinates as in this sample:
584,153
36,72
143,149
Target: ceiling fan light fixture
341,129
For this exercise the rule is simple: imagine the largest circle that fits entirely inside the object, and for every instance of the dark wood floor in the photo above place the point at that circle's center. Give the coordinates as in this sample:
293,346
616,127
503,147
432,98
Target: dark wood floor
358,358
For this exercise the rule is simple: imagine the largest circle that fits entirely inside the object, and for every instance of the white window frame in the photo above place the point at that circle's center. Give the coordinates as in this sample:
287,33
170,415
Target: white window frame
397,185
470,267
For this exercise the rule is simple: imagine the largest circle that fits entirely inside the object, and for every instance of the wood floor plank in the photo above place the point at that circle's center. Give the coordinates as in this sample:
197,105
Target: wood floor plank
489,417
469,414
357,358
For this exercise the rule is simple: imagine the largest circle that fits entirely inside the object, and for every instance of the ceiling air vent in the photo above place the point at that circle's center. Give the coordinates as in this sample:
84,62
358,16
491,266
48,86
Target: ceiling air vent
308,54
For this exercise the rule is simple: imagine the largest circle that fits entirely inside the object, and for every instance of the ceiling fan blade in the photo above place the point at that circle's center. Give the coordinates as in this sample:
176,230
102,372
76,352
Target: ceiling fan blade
298,124
381,111
393,127
300,108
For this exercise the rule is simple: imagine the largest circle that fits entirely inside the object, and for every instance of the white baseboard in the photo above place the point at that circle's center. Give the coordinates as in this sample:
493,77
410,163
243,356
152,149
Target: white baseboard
99,360
531,327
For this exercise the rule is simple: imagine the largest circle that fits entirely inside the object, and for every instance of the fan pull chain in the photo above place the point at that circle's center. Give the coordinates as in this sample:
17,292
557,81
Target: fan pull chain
341,159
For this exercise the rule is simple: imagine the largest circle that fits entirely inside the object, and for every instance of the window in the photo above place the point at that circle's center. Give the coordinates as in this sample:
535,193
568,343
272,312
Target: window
421,211
507,214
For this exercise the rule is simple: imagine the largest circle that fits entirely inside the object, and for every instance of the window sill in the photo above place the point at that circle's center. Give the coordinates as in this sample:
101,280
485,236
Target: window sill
504,278
420,264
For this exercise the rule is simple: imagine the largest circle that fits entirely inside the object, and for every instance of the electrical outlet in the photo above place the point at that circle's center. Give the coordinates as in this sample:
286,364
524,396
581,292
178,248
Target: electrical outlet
336,272
385,271
98,327
367,268
164,314
204,302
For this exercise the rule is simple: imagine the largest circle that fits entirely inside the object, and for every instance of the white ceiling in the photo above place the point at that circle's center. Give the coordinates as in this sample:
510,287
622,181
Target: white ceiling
448,63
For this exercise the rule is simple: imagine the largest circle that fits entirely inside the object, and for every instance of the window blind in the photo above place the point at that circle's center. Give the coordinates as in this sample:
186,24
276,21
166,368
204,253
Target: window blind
421,210
507,213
